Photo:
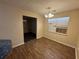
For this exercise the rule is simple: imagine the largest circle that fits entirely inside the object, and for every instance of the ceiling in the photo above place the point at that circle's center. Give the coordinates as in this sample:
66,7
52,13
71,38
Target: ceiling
39,6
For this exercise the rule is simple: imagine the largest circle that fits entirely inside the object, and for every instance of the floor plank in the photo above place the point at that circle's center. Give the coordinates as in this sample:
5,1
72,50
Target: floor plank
42,48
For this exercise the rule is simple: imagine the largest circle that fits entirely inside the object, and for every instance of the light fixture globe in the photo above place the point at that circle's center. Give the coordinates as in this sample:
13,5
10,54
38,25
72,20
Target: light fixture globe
50,13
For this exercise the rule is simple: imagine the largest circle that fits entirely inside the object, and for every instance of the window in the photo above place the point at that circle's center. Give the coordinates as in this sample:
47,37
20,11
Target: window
59,25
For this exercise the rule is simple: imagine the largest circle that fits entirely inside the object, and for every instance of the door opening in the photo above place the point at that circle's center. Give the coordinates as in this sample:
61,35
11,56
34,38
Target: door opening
30,28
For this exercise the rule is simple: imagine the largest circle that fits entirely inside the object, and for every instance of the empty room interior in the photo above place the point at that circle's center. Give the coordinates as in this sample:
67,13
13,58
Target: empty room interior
39,29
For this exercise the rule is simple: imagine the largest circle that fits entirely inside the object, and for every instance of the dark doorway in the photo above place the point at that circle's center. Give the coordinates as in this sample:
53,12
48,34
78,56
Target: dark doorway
30,26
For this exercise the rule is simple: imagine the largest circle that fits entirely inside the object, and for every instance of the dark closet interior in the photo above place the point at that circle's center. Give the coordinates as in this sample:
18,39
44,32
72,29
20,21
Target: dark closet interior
29,24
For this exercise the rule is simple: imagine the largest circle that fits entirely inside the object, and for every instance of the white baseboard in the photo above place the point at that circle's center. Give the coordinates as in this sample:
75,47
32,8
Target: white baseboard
39,37
65,44
76,53
18,45
76,49
62,42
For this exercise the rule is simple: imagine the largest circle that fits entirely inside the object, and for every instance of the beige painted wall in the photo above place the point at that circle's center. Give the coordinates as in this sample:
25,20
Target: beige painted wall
11,24
78,43
77,49
71,38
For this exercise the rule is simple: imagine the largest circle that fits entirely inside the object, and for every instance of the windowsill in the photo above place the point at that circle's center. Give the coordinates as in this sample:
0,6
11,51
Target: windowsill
58,33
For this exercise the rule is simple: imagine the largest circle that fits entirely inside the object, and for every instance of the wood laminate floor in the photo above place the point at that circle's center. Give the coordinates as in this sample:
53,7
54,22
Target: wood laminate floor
42,48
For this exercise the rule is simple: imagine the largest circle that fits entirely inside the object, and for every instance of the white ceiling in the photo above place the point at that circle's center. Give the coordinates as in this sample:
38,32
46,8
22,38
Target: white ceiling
40,6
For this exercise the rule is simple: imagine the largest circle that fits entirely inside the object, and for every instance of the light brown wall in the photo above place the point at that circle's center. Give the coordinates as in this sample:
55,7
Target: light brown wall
11,24
71,38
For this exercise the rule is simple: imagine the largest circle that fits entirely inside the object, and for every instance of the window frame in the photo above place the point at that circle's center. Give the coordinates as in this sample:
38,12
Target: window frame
60,32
